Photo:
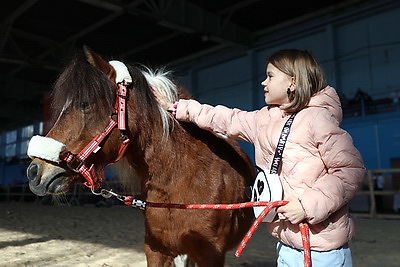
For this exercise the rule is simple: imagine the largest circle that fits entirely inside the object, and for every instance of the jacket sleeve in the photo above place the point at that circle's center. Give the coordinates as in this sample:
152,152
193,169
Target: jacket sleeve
234,123
344,166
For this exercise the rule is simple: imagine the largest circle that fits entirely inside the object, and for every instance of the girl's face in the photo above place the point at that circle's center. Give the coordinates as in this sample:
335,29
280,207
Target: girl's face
276,85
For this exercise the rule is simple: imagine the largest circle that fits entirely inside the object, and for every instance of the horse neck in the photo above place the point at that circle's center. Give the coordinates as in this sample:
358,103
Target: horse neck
154,164
151,152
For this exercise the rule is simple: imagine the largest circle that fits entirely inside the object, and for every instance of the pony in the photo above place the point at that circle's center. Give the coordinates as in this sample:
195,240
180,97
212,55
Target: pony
176,162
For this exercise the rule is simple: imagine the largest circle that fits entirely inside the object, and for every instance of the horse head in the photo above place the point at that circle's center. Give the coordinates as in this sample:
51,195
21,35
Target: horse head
86,106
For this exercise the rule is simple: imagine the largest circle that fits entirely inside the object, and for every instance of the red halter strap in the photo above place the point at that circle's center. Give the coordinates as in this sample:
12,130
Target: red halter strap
121,106
77,162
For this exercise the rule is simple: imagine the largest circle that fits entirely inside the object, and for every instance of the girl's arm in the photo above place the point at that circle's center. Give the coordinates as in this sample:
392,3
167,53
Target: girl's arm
230,122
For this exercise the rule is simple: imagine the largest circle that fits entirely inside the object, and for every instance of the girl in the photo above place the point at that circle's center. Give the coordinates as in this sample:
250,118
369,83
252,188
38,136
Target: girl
321,170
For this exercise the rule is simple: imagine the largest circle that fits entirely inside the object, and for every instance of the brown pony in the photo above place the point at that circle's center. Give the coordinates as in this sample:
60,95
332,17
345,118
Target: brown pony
176,162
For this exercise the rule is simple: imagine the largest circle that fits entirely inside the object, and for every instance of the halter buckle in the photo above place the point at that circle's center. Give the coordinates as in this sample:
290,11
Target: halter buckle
122,96
123,137
75,164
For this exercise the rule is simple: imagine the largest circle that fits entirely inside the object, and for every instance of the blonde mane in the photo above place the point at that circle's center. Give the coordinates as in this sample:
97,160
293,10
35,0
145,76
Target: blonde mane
164,90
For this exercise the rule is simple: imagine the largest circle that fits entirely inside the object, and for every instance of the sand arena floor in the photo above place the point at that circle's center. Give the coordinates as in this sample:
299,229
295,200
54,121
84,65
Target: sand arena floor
32,234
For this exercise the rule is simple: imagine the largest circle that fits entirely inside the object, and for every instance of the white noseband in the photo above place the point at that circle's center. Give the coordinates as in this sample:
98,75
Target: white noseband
45,148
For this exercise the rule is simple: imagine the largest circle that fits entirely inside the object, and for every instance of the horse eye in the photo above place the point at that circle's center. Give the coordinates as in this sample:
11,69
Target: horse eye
84,106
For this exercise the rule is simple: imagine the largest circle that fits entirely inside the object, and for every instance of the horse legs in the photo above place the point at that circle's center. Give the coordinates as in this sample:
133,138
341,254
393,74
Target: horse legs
156,258
209,260
182,261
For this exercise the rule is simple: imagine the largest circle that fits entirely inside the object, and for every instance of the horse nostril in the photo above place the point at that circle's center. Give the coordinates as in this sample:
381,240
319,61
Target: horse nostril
33,172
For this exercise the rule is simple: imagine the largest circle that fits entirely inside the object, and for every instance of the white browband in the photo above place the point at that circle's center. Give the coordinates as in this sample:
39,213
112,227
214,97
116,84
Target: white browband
45,148
122,71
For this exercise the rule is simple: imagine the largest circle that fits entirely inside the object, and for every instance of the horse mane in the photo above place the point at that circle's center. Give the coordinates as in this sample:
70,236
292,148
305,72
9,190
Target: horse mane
164,87
147,85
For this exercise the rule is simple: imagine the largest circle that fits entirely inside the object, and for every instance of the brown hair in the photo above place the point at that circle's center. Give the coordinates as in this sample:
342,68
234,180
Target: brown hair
308,75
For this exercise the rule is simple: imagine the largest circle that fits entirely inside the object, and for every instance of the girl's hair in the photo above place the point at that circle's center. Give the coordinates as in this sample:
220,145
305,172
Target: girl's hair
307,73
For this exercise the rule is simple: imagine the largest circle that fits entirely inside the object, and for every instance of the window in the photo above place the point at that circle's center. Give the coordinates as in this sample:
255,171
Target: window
14,144
26,134
11,144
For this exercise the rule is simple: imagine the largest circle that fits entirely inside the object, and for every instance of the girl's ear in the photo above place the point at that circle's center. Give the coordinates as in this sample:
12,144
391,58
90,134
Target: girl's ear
97,61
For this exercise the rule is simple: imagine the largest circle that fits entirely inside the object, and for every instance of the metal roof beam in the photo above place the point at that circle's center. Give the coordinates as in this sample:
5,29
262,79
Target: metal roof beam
8,22
232,8
101,3
154,42
28,62
71,40
24,7
34,37
187,17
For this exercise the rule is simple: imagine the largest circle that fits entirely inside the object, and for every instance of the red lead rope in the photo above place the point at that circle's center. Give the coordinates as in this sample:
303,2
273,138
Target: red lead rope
304,229
305,236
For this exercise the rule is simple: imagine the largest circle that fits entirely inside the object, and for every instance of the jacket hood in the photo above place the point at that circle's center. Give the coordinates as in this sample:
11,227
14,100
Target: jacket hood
328,98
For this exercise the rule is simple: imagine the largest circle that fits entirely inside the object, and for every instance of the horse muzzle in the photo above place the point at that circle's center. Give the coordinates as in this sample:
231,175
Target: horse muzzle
47,179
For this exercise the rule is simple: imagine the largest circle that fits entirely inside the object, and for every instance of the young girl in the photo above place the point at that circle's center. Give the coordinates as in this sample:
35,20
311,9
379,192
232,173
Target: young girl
321,169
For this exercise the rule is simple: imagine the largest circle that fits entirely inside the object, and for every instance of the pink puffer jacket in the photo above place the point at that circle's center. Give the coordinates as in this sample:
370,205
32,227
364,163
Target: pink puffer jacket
320,166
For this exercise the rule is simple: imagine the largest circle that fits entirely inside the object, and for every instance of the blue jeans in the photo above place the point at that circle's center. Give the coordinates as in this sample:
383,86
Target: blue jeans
292,257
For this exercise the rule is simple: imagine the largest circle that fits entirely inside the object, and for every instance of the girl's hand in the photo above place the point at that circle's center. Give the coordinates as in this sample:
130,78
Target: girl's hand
162,99
293,212
164,102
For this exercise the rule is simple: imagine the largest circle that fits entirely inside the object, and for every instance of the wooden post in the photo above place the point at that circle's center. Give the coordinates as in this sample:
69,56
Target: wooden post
372,211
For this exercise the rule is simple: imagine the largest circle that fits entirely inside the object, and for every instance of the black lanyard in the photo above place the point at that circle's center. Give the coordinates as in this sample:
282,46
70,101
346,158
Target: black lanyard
281,145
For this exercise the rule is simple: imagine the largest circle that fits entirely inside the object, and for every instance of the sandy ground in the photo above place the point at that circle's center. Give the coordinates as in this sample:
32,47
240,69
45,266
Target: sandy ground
32,234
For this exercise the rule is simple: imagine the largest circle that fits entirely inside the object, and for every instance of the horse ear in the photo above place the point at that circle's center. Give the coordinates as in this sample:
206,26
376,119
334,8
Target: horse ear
97,61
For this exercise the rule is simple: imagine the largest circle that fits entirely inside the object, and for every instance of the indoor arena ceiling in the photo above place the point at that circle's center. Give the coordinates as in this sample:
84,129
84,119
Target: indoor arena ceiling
37,36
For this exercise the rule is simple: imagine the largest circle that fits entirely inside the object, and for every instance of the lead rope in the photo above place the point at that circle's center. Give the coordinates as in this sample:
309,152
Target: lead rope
304,229
305,237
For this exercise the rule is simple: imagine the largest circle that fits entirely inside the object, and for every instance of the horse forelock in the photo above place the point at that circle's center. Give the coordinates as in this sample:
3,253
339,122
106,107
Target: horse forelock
82,84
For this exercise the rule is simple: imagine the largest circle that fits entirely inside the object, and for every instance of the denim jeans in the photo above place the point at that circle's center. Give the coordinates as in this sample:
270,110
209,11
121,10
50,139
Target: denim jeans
292,257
